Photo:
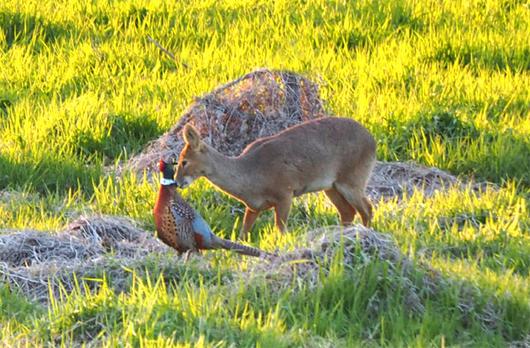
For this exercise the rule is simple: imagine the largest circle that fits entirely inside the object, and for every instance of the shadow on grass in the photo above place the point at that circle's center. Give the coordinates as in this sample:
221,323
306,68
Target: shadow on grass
128,135
84,157
490,57
47,174
499,255
440,138
7,100
378,22
23,28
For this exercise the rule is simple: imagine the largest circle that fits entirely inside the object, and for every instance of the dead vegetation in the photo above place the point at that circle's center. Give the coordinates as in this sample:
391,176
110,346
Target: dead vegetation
31,261
395,179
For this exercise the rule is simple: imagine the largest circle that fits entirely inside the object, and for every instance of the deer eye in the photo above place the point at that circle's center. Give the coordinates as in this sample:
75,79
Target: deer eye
184,163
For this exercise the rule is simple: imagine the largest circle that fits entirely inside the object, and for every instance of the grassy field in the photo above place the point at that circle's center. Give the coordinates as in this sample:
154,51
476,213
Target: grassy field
443,83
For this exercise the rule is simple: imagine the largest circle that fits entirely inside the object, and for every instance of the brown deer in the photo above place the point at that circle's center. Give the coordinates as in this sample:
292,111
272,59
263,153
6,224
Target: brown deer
333,154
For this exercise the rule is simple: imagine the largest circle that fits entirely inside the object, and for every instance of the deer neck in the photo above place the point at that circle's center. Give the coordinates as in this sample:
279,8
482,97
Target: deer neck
229,174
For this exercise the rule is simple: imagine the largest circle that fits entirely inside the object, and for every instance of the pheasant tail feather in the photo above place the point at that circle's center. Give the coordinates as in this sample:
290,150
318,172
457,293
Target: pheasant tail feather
242,249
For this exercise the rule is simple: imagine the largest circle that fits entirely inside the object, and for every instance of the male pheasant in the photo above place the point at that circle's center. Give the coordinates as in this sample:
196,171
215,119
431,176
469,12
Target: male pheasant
181,227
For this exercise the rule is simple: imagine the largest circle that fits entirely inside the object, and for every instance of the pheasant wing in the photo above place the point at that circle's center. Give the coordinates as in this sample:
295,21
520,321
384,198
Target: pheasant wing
183,219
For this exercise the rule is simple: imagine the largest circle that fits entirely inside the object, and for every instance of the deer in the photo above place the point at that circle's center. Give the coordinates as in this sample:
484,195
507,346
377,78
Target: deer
331,154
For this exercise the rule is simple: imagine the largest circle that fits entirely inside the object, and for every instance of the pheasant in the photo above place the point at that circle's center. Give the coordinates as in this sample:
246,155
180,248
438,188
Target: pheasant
181,227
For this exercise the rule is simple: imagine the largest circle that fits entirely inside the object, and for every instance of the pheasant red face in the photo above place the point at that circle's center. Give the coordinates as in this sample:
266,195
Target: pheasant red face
161,165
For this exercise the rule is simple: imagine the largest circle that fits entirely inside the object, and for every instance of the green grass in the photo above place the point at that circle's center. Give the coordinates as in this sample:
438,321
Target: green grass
443,83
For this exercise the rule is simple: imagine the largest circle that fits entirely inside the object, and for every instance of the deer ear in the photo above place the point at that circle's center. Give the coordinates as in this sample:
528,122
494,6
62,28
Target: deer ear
192,137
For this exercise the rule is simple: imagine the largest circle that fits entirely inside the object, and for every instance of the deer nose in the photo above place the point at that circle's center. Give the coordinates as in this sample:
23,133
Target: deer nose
179,182
184,182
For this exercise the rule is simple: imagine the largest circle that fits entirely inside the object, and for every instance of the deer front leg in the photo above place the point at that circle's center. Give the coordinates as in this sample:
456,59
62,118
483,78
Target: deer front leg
281,213
248,220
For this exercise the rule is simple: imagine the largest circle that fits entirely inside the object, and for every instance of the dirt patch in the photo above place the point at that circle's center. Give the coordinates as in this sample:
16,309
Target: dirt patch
258,104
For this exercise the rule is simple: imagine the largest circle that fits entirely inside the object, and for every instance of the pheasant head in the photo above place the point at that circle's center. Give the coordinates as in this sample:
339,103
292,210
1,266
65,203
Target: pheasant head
168,173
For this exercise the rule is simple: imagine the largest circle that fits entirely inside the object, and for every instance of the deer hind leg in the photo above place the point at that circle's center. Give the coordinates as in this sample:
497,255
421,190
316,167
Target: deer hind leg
346,211
281,213
355,196
248,221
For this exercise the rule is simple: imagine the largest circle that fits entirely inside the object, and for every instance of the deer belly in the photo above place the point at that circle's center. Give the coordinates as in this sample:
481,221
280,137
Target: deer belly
318,184
255,202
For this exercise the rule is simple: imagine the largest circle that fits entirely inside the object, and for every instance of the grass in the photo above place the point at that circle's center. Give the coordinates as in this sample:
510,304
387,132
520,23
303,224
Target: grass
442,83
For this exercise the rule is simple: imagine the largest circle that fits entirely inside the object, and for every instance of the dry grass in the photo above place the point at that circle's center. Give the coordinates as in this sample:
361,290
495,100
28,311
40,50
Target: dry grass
395,179
32,261
357,246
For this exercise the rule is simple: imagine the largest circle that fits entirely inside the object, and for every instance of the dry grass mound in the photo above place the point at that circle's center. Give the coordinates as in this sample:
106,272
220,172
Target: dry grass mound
260,103
358,246
32,261
396,179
